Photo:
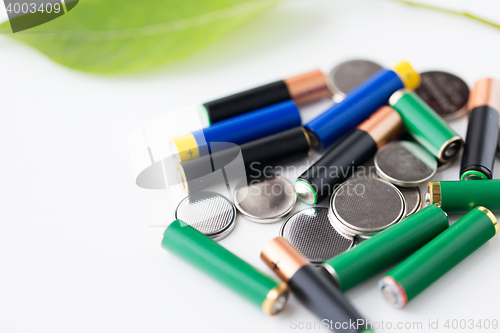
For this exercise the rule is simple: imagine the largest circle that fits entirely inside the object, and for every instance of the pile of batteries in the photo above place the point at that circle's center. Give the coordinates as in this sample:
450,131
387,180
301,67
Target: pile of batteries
375,218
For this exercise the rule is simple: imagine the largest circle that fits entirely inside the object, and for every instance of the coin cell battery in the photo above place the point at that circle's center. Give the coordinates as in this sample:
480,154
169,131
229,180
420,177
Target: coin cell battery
445,93
405,164
312,234
350,74
267,201
210,213
365,206
413,199
412,195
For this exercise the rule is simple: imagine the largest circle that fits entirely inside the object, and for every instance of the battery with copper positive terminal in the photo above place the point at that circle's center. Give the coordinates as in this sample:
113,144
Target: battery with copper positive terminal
388,248
312,288
258,156
350,152
426,126
301,89
213,259
462,196
360,103
238,130
482,132
439,256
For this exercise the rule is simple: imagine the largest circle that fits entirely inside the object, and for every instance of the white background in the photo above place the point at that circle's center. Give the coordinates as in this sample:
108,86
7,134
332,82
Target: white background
78,248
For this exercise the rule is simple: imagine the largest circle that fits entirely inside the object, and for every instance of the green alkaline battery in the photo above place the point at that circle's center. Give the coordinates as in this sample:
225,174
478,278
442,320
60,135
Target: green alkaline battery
426,126
462,196
385,249
201,251
438,256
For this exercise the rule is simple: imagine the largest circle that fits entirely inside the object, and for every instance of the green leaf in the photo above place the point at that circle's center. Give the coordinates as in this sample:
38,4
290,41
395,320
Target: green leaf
114,36
449,11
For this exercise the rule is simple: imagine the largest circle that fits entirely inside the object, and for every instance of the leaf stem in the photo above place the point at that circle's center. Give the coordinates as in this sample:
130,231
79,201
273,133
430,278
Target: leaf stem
449,11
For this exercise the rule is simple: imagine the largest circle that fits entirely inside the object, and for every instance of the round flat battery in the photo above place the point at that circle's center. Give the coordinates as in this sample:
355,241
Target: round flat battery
266,201
365,206
405,163
413,199
312,234
350,74
209,213
446,93
412,195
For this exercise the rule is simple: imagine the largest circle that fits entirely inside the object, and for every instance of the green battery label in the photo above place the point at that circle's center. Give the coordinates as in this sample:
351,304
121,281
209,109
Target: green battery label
386,248
438,256
462,196
213,259
426,126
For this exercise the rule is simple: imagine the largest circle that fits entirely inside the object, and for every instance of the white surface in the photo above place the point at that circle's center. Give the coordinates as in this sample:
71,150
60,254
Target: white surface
79,250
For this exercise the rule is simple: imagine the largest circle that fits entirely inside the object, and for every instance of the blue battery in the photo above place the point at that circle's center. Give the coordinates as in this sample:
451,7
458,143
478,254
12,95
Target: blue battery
239,130
360,103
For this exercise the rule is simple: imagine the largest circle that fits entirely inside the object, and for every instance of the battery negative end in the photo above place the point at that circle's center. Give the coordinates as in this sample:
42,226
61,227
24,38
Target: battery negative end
182,178
276,299
393,292
305,192
327,271
450,149
308,138
313,139
473,175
